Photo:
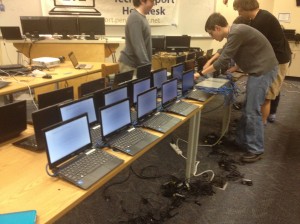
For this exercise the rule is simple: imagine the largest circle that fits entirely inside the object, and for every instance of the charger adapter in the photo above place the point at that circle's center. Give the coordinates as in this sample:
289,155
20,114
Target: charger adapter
176,148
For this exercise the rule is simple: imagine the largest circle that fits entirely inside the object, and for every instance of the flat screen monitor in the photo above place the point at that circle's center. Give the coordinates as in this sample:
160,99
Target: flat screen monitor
178,43
34,26
158,43
91,26
64,26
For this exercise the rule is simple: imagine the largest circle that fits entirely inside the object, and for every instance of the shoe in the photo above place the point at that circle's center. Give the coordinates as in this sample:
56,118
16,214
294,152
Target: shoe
272,118
250,157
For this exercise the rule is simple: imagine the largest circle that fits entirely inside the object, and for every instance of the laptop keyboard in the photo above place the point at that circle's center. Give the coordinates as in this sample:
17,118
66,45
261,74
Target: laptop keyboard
199,95
128,139
86,164
157,121
178,107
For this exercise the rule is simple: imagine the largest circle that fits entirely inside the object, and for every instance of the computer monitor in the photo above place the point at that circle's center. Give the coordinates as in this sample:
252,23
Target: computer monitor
34,26
158,43
64,26
91,26
178,43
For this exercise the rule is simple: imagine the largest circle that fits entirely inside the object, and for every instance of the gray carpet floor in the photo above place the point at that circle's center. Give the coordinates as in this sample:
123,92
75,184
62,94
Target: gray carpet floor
273,198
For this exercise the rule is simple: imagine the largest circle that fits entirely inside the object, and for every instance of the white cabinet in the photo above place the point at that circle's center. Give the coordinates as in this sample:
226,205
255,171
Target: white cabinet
294,69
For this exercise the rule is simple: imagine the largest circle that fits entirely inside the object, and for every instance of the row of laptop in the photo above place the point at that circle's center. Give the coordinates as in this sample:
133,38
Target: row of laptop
66,130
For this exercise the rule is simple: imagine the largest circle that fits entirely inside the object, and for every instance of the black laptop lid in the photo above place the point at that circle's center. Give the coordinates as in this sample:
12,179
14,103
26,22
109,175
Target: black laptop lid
158,77
88,88
67,139
139,86
55,97
169,92
13,120
187,81
123,77
115,95
143,71
114,118
146,103
78,107
177,70
44,118
99,98
11,33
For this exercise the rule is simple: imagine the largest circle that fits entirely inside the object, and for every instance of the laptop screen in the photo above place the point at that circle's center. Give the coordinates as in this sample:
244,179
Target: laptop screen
177,70
114,117
169,91
85,3
55,97
146,102
11,32
187,81
67,139
89,87
115,95
78,107
143,71
158,77
140,86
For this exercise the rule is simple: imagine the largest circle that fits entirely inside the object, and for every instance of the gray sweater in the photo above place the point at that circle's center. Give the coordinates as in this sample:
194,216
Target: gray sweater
250,50
138,44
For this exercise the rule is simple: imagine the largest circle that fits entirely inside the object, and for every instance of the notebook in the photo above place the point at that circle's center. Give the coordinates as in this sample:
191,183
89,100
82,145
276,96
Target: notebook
71,156
13,120
158,77
88,88
212,83
188,90
169,100
176,72
24,217
40,119
143,71
148,115
76,64
115,95
81,7
11,33
81,106
98,97
138,86
122,78
118,132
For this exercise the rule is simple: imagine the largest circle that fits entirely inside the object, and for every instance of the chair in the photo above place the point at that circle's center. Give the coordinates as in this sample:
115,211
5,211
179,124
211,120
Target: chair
109,71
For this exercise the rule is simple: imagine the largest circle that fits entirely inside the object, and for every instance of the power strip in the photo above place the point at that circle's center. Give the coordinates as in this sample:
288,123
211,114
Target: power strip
176,148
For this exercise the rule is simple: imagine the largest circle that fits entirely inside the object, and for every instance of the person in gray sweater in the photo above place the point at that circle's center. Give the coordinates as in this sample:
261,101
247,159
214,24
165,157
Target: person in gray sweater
253,53
138,44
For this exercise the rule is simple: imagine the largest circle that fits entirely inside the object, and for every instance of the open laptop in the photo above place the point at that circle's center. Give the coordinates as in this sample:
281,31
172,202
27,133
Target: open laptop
143,71
11,33
76,64
149,117
122,78
13,120
211,83
81,106
98,97
40,119
188,90
55,97
115,95
169,100
71,156
118,132
176,72
138,86
158,77
88,88
81,7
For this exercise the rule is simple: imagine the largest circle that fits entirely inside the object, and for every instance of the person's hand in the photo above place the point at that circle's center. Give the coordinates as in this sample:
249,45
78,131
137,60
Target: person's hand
196,75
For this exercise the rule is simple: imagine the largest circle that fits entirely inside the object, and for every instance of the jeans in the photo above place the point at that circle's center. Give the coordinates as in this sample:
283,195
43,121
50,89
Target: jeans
250,132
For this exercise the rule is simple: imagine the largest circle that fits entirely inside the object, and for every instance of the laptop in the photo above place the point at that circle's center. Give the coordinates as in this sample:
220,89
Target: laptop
81,106
180,59
138,86
188,90
11,33
55,97
118,132
169,100
122,78
88,88
115,95
81,7
211,83
143,71
13,120
158,77
98,97
189,65
149,117
40,119
75,63
71,155
176,72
